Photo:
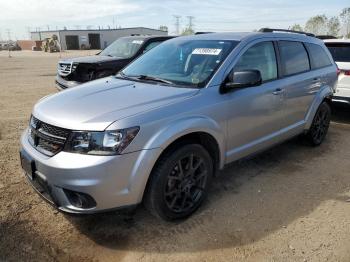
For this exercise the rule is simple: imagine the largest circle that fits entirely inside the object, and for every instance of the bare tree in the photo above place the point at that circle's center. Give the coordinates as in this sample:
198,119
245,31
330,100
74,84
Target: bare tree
345,17
317,25
333,26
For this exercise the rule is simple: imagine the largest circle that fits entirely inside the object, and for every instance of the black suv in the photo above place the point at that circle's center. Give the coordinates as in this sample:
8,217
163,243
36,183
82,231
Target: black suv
75,71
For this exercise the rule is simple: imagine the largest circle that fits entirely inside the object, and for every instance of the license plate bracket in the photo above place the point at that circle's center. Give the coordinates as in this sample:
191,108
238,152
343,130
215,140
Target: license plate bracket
28,164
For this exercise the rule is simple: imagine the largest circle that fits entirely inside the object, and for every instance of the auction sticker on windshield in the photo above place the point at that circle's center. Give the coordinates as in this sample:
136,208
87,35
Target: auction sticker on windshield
206,51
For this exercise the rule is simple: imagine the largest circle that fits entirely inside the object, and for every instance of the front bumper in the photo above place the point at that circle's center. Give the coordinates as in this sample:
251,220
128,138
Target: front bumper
112,181
62,84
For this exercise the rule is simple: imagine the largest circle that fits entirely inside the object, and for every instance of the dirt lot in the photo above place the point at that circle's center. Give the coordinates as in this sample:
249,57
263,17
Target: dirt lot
291,203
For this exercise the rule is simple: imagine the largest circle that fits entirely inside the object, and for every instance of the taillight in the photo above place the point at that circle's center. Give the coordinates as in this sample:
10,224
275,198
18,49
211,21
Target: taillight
347,72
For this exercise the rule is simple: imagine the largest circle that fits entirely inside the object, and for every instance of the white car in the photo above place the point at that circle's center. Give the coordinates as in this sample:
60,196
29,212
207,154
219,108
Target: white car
340,50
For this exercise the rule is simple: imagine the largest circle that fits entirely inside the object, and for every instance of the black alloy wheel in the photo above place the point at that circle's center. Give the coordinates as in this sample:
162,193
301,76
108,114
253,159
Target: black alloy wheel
320,125
179,182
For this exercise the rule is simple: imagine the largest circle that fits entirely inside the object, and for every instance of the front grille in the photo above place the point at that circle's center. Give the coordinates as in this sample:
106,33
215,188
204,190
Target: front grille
64,69
46,138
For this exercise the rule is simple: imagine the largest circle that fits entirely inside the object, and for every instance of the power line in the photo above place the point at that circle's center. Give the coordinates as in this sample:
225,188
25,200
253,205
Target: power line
177,24
190,22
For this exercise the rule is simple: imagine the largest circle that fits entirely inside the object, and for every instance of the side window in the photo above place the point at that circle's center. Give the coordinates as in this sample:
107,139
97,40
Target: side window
318,56
151,45
260,57
294,57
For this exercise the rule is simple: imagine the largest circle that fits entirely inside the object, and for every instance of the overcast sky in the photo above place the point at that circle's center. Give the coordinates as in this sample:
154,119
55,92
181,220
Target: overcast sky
19,16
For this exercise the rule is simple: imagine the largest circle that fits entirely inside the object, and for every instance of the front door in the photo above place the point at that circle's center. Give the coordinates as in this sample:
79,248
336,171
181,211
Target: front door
254,113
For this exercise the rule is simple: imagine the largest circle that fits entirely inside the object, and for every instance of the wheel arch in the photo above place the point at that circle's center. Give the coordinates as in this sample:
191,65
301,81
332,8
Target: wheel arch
202,130
199,130
325,95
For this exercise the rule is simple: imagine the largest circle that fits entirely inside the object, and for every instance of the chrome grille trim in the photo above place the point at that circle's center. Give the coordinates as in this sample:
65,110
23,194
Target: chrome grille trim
46,138
64,69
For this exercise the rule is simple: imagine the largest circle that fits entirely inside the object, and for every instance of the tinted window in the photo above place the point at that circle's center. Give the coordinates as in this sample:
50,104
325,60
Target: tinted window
259,57
123,47
151,45
318,56
339,51
294,57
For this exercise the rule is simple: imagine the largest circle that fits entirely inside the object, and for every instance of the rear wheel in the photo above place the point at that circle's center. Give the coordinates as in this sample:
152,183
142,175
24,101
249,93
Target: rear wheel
320,125
179,182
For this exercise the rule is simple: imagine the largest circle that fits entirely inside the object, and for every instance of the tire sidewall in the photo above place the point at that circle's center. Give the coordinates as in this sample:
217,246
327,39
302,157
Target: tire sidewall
325,106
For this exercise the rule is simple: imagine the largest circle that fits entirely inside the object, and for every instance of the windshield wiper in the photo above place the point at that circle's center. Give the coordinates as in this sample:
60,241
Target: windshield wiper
152,78
124,76
143,77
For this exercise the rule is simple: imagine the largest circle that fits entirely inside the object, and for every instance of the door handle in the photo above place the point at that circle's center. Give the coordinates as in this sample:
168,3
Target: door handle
278,91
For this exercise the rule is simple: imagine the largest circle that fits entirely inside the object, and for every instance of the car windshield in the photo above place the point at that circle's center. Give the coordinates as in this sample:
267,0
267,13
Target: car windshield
339,51
181,62
123,47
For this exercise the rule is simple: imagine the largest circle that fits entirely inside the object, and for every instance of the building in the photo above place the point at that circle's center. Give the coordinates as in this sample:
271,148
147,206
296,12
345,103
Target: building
29,45
94,38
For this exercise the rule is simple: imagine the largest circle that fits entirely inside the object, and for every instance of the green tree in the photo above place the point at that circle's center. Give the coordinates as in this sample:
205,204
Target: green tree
163,28
296,27
345,17
333,26
317,25
187,31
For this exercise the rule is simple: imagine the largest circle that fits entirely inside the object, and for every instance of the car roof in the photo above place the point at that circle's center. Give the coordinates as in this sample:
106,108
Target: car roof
240,36
337,40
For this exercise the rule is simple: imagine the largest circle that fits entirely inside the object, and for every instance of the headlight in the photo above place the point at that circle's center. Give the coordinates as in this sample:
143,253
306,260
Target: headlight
74,66
100,143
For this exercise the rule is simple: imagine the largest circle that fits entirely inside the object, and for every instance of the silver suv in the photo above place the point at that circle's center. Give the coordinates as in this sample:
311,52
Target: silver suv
159,130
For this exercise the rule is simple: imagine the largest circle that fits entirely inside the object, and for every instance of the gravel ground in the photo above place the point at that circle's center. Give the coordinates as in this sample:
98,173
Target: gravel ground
291,203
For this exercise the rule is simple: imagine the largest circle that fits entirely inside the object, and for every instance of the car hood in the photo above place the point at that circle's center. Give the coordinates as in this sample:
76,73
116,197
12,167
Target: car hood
95,105
91,59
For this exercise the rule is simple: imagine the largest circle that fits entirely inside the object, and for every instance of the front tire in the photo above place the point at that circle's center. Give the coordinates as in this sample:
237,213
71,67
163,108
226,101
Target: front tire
179,182
320,124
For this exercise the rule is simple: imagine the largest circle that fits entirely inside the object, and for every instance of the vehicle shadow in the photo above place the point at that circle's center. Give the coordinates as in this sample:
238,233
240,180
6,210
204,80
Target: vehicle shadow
341,113
249,200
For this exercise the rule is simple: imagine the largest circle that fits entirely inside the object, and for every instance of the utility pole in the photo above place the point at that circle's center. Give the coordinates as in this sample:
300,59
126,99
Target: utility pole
190,23
38,29
177,24
28,31
8,41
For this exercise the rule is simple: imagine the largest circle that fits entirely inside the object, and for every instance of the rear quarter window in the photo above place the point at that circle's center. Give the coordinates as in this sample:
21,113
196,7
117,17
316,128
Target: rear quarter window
318,57
294,57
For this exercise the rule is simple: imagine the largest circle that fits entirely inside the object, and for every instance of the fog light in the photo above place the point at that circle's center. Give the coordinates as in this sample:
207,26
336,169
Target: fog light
80,200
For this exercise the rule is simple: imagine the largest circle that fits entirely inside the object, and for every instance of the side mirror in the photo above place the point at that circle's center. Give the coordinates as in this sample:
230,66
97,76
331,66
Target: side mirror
242,79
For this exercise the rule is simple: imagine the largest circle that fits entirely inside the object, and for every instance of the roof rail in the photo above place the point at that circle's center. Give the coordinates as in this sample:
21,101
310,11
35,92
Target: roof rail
323,37
271,30
202,33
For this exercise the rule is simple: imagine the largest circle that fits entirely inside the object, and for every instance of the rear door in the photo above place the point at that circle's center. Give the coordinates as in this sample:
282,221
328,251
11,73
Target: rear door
299,86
